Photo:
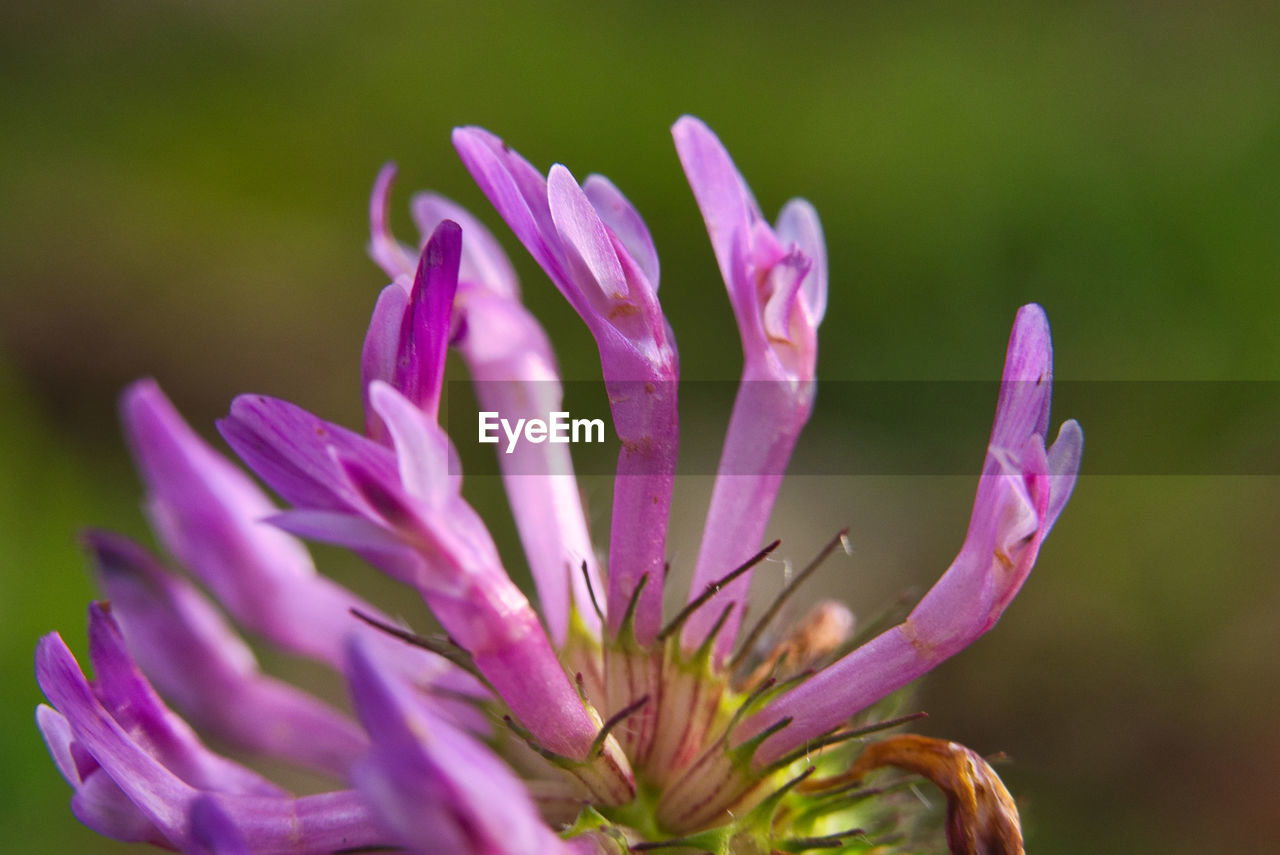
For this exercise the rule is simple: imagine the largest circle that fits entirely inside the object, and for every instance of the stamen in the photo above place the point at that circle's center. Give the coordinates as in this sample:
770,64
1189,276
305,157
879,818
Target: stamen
841,539
770,686
591,591
704,652
744,752
628,625
843,798
650,846
770,802
529,739
439,645
714,588
889,616
829,841
820,632
835,739
597,745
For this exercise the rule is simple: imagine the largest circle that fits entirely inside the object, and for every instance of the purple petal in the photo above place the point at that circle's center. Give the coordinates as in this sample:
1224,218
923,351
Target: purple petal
129,698
517,191
423,452
432,785
206,510
480,608
292,450
214,832
617,212
1020,493
271,825
372,539
1064,464
57,737
199,662
157,793
798,225
777,286
102,806
779,314
593,265
723,197
483,263
1027,383
386,251
381,349
425,341
608,288
210,515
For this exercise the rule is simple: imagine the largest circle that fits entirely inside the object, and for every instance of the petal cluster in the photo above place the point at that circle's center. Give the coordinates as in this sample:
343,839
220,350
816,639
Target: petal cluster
587,725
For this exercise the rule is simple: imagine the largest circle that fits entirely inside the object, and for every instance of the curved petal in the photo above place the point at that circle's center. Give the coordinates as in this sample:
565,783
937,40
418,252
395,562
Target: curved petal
726,203
483,261
1064,465
292,450
798,225
422,450
432,785
591,257
388,253
198,661
517,190
1019,495
214,832
617,212
132,795
381,349
1027,383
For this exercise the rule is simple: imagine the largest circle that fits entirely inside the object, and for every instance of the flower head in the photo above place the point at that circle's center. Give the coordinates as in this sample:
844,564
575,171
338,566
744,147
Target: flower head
592,724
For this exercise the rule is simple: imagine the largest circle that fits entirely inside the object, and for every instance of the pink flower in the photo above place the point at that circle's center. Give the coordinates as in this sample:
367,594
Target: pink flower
583,726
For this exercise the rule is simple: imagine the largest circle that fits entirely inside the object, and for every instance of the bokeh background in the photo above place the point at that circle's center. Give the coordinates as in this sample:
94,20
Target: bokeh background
183,192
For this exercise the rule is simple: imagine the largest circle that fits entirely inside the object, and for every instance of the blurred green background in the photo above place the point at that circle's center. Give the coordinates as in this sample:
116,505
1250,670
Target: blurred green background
183,193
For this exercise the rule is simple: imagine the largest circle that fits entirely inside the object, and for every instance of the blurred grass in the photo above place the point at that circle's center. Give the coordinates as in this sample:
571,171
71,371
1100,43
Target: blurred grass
184,192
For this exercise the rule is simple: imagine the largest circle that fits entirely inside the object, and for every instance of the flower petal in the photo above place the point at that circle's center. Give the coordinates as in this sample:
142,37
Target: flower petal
517,191
432,785
214,832
272,825
1019,494
1027,384
1064,465
289,448
190,653
798,225
57,737
425,344
423,452
777,286
210,515
617,212
726,202
483,261
381,349
393,257
129,698
591,258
